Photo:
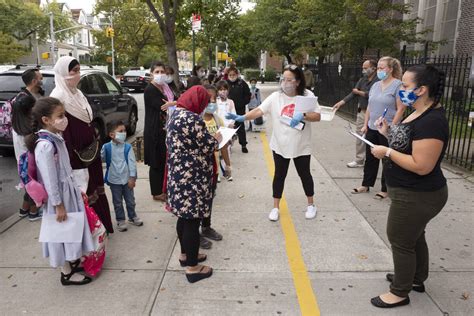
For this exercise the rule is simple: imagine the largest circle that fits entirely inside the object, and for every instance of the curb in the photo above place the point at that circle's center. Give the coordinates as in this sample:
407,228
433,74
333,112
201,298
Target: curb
9,222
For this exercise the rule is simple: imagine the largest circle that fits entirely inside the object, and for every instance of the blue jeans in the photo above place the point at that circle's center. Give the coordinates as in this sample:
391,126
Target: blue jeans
119,191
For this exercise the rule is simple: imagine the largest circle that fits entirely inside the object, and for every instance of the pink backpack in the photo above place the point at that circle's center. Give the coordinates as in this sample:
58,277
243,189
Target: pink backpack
28,173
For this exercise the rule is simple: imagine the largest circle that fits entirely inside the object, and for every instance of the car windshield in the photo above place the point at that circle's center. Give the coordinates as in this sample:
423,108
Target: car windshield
13,83
135,73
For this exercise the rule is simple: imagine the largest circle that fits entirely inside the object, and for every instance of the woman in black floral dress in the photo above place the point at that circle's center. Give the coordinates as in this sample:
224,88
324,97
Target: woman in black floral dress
190,170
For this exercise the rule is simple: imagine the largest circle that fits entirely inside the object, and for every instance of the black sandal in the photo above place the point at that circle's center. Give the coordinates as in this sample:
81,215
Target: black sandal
420,288
194,277
65,279
184,263
75,266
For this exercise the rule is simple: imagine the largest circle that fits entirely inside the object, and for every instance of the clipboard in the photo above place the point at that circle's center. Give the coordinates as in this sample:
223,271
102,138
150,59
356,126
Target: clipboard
362,139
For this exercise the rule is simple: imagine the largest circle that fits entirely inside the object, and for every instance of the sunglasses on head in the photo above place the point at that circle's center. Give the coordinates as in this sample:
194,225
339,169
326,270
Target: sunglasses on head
291,67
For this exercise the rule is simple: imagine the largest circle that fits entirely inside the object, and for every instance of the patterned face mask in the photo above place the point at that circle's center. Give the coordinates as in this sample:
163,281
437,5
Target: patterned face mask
408,97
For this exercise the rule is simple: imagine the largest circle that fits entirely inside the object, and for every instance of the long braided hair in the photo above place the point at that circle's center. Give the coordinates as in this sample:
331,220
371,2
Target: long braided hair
431,77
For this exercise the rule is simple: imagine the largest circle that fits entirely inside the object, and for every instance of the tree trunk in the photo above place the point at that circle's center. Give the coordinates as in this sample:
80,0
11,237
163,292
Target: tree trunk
167,28
288,58
209,51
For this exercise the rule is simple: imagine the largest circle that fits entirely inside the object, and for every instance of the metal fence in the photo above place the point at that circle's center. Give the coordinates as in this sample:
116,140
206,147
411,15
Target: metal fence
336,80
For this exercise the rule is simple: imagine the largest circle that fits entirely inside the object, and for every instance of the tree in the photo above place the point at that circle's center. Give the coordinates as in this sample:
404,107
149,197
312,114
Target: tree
219,23
25,20
271,21
166,19
136,32
10,50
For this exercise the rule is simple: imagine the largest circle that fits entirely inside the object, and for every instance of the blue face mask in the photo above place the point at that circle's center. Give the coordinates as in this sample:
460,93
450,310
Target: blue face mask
408,97
211,108
382,75
120,137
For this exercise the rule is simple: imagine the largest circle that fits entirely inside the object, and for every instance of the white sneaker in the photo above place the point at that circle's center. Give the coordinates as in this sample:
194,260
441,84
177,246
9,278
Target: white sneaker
274,215
311,212
354,164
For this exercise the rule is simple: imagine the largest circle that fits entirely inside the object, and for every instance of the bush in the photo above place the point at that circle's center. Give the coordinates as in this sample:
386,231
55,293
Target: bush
270,75
251,74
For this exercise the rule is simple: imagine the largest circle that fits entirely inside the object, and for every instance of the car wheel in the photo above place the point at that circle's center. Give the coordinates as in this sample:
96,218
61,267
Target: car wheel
132,122
99,130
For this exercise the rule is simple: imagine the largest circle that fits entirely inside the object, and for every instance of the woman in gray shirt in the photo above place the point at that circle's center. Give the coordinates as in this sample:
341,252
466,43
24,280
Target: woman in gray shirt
383,101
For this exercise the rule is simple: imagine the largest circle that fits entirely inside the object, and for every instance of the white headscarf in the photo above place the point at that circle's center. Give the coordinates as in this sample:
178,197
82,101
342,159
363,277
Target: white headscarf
74,101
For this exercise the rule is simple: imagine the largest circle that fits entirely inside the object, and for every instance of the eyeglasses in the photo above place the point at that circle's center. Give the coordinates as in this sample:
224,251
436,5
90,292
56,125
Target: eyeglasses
287,80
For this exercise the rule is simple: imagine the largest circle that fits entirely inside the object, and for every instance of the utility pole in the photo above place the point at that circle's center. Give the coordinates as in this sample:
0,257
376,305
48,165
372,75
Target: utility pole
217,53
194,50
51,29
112,42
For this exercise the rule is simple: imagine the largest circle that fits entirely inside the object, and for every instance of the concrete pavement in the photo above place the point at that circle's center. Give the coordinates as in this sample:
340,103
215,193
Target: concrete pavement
260,269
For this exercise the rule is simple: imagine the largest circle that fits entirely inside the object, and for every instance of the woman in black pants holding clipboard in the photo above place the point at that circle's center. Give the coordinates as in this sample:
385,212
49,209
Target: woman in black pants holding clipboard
288,142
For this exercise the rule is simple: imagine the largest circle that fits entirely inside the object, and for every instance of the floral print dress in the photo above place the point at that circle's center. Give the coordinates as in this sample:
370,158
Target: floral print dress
190,165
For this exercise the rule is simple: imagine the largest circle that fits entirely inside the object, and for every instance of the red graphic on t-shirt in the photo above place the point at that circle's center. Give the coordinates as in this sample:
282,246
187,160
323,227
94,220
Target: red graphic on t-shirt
288,110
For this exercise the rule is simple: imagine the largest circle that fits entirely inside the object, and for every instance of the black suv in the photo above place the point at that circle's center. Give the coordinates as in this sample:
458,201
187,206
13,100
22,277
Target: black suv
108,100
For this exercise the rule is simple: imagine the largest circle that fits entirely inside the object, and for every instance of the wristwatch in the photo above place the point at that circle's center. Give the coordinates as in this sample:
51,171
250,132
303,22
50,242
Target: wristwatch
388,152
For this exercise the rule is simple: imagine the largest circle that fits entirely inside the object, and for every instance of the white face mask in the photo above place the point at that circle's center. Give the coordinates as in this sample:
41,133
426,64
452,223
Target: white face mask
169,79
159,78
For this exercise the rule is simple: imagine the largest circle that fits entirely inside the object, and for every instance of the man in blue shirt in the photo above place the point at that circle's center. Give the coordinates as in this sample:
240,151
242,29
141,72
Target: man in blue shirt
121,174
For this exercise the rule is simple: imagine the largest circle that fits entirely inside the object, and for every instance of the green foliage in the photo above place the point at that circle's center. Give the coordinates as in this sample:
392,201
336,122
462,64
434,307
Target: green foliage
270,75
10,50
219,23
22,21
137,35
250,73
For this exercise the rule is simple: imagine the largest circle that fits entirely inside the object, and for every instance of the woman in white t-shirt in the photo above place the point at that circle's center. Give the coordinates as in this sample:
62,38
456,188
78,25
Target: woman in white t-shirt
288,142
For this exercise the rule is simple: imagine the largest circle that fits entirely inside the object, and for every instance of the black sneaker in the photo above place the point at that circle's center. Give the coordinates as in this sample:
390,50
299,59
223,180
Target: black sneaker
245,150
204,243
23,213
32,217
211,233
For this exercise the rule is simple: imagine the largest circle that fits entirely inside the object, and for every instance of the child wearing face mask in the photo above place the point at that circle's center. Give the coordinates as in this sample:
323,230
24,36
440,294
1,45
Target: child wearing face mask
121,174
54,172
225,106
213,123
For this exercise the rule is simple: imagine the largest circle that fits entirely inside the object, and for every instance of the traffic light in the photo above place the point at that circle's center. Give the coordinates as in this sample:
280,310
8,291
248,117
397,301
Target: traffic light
45,55
109,32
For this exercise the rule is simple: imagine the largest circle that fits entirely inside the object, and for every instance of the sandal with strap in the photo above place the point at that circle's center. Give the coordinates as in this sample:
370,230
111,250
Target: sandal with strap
75,266
194,277
66,280
201,258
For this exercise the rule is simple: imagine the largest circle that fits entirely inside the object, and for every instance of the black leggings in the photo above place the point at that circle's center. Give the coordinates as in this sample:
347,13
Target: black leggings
302,164
156,176
188,235
371,166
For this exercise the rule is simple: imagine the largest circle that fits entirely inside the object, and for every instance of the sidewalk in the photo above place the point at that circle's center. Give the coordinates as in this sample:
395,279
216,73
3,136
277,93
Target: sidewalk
331,265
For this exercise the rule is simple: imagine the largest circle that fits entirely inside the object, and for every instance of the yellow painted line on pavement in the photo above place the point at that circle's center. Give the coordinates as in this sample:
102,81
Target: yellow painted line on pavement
304,291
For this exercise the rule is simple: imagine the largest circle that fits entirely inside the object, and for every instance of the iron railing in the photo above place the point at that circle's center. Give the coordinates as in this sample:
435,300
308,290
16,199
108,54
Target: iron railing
336,80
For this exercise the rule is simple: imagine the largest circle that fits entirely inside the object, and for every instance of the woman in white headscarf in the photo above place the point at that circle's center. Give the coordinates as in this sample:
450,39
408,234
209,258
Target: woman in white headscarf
82,141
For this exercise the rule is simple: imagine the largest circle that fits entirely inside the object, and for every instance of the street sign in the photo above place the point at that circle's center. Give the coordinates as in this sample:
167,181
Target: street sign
196,22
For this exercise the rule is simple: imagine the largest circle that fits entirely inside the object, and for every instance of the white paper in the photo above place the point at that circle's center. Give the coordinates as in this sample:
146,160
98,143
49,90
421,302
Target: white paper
327,113
69,231
227,134
286,120
306,104
362,139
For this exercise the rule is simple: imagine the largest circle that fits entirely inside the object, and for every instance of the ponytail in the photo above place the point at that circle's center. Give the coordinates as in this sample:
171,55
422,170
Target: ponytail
43,107
395,65
432,78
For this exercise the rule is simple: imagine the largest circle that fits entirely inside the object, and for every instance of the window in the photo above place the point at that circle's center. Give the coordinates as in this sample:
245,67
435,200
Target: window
96,84
111,85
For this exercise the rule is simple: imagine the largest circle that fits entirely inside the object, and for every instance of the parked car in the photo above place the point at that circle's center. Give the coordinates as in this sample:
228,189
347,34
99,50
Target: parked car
108,100
135,79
